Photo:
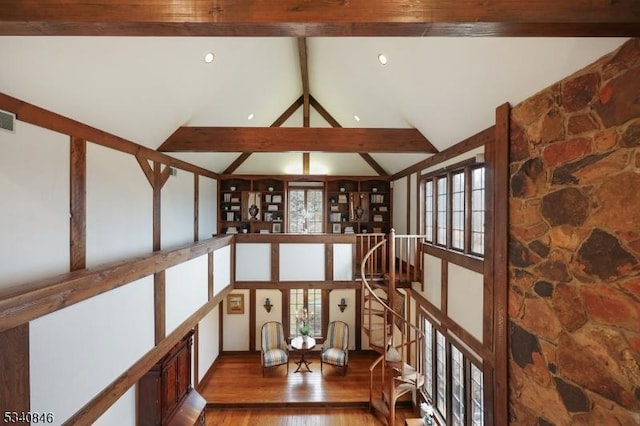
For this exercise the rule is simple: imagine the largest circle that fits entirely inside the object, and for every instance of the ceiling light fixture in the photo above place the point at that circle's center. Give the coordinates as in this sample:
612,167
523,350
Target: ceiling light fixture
356,118
250,117
209,57
382,58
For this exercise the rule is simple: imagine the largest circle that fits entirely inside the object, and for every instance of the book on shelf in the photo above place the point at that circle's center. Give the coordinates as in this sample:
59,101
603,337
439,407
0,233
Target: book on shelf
377,218
335,217
377,198
348,230
342,199
276,199
230,216
273,207
226,198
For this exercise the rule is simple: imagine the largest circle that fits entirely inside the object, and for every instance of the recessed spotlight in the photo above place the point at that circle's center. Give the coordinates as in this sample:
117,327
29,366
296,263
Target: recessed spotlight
355,117
209,57
382,58
250,117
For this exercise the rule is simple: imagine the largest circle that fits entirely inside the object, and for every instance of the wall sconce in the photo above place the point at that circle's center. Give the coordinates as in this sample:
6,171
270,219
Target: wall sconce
267,304
343,304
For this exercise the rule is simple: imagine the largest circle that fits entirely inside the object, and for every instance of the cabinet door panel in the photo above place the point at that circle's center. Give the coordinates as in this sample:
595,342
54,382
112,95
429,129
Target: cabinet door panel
169,378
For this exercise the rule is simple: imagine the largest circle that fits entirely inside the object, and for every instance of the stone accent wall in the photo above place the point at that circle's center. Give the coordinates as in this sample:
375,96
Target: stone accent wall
574,250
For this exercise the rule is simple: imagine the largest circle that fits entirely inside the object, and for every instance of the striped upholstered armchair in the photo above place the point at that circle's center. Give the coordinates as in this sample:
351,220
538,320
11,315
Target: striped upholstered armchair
274,350
335,350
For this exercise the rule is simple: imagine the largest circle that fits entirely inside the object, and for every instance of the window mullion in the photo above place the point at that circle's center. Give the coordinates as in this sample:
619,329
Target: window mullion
467,210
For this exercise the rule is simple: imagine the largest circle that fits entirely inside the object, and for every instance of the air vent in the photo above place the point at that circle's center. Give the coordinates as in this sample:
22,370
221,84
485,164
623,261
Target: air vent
7,121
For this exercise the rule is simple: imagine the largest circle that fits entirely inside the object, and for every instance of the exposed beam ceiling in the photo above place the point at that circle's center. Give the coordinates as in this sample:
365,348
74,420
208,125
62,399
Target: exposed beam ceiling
284,139
315,18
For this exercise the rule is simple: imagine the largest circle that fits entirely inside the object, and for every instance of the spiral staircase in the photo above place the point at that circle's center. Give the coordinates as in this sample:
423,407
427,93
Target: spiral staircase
391,263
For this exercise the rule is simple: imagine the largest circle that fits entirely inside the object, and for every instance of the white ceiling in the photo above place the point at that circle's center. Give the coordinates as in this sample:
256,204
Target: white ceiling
144,88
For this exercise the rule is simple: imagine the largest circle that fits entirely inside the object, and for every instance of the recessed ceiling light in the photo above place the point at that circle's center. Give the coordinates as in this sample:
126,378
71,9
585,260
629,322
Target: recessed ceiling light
382,58
209,57
356,118
250,117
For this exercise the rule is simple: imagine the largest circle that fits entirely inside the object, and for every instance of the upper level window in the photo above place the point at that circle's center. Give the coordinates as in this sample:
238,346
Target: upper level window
477,210
428,358
441,218
457,387
457,210
477,397
441,374
428,210
305,210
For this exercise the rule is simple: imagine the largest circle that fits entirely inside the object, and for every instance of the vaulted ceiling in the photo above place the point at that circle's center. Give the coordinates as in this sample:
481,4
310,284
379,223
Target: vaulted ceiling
146,88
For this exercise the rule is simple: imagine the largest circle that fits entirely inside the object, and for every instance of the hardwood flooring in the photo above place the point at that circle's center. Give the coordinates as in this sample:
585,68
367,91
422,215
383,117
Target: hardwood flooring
238,394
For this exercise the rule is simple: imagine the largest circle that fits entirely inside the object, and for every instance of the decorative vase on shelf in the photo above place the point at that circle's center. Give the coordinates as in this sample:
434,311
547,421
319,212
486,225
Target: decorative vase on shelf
253,211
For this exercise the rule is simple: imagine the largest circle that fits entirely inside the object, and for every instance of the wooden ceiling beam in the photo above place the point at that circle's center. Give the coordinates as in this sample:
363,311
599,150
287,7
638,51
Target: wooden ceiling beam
287,139
320,18
304,74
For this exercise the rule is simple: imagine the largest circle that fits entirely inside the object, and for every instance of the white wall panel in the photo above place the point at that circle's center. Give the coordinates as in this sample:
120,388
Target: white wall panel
343,262
77,351
177,210
208,212
433,280
253,262
208,341
302,262
122,413
34,222
186,290
400,204
221,269
465,299
119,207
236,326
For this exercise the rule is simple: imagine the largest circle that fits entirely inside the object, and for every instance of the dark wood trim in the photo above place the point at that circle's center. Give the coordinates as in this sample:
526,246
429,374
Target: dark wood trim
479,139
15,387
78,204
296,238
252,320
210,272
220,326
326,307
196,207
444,293
305,139
304,74
374,164
500,228
157,205
323,112
196,354
286,297
26,302
41,117
146,168
541,18
275,262
237,162
328,262
358,307
109,395
472,263
287,285
159,305
408,209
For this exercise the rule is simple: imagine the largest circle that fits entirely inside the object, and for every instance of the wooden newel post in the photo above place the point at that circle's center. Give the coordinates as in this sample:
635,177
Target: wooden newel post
392,268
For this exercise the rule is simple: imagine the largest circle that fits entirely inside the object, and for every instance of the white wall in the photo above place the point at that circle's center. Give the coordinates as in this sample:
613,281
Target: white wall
262,316
433,280
186,290
177,210
122,412
221,269
349,314
400,204
208,341
208,212
119,207
343,262
465,299
77,351
34,188
302,262
253,262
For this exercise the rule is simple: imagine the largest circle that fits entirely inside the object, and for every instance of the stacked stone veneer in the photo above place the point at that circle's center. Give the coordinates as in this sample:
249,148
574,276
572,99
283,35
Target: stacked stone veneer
574,249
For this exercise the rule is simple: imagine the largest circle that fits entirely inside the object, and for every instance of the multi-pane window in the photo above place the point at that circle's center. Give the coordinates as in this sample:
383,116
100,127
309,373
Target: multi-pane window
428,211
453,382
311,300
457,210
305,210
454,208
441,374
441,217
477,210
457,387
428,358
477,409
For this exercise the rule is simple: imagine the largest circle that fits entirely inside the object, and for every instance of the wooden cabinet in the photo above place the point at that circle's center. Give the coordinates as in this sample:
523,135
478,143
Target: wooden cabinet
359,206
165,388
252,205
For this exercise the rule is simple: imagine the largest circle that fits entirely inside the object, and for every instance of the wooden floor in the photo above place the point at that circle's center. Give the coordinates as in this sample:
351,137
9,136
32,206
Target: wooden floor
238,394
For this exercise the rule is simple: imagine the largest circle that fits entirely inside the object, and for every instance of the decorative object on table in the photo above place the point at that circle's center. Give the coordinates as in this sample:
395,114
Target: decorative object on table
427,413
303,318
343,304
235,303
273,350
335,349
267,304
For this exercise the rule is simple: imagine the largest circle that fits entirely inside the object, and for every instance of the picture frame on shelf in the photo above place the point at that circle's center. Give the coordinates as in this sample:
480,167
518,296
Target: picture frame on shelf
337,228
276,228
235,303
276,199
